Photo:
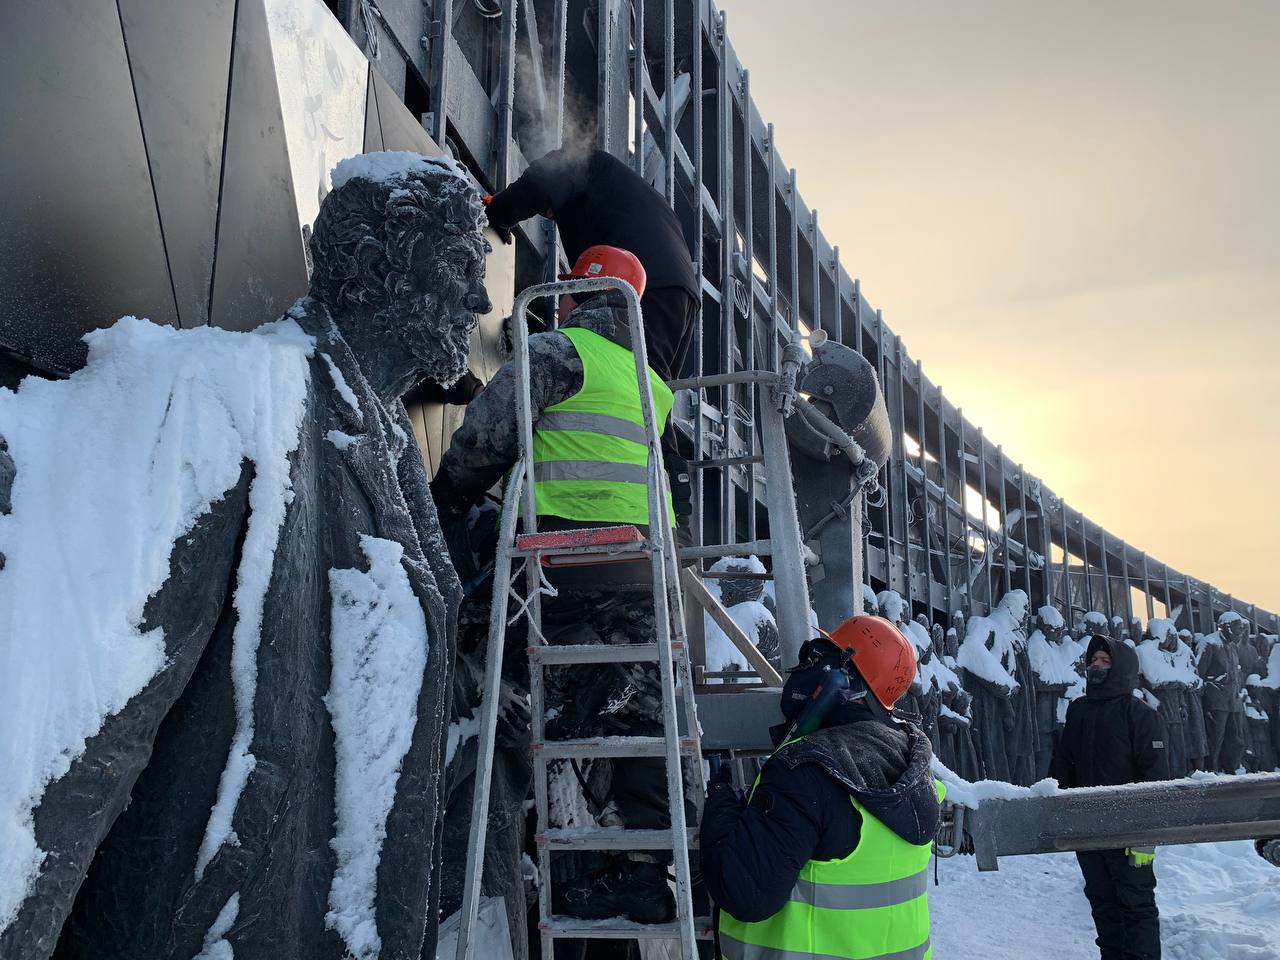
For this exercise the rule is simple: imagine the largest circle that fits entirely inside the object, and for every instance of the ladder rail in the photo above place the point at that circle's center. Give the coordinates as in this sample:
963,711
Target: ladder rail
666,597
489,716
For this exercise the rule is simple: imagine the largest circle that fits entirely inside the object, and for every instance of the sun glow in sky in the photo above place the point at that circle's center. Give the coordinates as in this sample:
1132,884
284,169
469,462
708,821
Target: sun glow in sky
1070,212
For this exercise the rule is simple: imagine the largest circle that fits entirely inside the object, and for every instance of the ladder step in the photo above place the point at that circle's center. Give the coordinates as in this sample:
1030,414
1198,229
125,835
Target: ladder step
758,548
726,462
571,928
590,747
571,653
609,838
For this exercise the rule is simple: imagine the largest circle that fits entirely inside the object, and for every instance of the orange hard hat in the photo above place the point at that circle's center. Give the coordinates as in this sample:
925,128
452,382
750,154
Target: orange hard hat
604,261
885,659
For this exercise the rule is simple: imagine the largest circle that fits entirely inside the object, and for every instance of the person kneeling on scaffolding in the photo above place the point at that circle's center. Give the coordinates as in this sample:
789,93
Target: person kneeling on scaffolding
829,853
589,455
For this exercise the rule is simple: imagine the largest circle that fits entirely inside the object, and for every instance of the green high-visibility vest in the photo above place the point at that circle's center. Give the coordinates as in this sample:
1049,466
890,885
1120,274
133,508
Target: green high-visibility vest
874,903
590,453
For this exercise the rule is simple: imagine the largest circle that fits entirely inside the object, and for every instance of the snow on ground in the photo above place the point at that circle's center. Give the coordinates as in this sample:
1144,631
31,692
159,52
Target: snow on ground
113,465
379,640
1217,901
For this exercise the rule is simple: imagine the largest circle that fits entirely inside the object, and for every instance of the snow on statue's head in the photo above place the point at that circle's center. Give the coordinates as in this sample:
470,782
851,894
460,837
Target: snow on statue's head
399,257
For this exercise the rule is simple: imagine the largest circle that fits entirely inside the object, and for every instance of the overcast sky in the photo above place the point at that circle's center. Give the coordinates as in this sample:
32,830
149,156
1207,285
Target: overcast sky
1069,211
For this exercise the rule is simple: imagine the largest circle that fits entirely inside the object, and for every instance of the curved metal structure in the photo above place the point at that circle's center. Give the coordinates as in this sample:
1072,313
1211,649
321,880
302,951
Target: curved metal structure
193,143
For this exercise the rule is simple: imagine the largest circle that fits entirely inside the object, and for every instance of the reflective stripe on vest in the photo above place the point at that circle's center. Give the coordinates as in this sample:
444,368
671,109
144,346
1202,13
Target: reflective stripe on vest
590,452
870,905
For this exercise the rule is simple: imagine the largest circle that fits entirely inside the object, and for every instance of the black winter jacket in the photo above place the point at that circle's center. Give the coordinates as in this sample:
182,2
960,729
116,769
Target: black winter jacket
1110,735
596,198
753,852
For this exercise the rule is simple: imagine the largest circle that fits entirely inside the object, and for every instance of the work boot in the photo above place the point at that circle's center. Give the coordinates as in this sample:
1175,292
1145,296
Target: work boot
626,888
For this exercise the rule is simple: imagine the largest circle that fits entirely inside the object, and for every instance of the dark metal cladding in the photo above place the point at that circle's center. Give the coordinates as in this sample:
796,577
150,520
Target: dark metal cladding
180,58
82,243
372,120
259,266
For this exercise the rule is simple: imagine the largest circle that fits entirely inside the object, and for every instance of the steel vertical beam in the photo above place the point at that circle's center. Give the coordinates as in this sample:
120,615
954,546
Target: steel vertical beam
838,325
962,443
775,293
637,87
748,254
1066,562
816,320
924,491
669,97
699,396
986,522
946,504
857,315
1005,573
1026,540
1146,589
441,35
1088,579
793,201
1106,574
898,451
728,312
1126,585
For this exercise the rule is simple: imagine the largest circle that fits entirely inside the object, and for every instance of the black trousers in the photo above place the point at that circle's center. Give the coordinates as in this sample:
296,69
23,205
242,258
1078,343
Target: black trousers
1226,740
1123,901
669,313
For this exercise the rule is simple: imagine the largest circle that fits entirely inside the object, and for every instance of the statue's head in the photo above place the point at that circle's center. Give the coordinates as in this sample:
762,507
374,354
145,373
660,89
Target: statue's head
938,637
951,645
399,257
1050,624
1233,627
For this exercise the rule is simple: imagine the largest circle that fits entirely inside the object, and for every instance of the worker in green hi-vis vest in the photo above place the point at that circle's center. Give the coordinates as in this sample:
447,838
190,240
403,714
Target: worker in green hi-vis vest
590,461
828,855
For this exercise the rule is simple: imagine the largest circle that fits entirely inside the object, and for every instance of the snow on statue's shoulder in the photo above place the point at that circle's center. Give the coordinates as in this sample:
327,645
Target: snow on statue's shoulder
385,166
113,466
1053,663
1003,628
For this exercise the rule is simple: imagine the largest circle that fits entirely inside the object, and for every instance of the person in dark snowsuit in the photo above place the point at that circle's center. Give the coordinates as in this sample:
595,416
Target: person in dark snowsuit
1112,737
589,455
596,199
830,853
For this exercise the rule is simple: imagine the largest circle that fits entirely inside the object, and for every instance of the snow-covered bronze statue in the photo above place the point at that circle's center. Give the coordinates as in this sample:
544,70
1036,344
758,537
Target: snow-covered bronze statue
988,656
1219,666
234,615
1168,671
1054,658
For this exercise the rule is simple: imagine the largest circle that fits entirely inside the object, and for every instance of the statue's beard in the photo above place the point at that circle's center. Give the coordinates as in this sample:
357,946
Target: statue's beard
441,349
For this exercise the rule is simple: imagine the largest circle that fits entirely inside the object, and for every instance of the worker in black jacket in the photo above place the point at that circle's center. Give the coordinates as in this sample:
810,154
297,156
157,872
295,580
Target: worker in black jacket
1112,737
845,814
596,199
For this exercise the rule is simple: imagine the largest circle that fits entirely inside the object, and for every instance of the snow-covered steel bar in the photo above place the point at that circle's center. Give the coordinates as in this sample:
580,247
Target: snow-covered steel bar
1134,815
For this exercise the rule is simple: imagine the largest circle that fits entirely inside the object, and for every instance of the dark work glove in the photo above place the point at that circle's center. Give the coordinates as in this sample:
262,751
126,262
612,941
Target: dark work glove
503,234
721,788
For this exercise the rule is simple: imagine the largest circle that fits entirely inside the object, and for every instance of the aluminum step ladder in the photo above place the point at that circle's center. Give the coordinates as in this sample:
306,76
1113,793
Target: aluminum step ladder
534,551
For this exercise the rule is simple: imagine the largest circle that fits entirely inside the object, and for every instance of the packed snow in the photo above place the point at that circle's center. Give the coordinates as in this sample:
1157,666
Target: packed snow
114,465
751,616
1218,901
1003,629
1054,662
1160,667
216,946
390,165
379,642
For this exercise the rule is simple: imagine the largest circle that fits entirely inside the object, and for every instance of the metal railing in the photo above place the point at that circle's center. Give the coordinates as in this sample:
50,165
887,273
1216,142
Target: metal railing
661,80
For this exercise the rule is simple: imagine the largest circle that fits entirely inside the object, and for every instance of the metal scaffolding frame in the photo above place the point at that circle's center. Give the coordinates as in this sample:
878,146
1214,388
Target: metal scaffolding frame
502,77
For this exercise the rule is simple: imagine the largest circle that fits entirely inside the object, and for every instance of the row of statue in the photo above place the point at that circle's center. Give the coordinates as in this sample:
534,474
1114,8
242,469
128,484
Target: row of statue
992,691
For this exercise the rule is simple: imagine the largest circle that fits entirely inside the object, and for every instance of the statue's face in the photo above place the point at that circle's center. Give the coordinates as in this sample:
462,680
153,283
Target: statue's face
454,273
939,638
1051,633
952,643
1235,630
1170,642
